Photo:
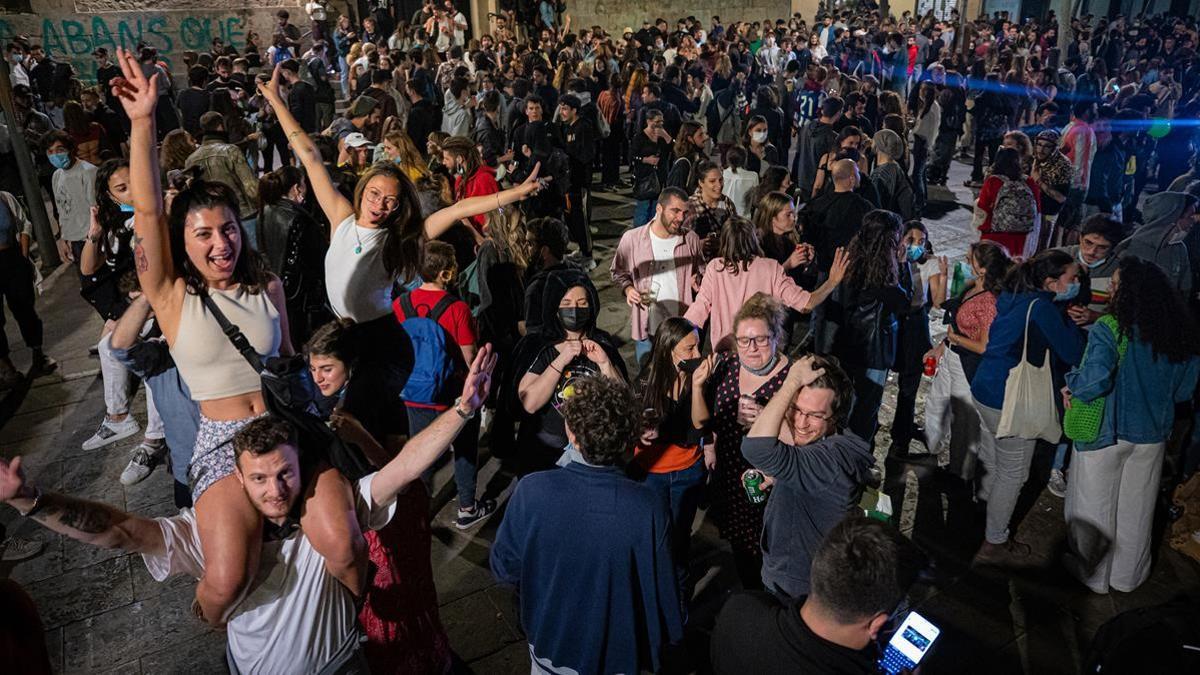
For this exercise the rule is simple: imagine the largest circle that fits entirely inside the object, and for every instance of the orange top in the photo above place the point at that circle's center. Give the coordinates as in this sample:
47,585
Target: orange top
665,457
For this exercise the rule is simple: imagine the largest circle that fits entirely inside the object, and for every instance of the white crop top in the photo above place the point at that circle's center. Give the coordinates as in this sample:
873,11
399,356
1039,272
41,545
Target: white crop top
207,361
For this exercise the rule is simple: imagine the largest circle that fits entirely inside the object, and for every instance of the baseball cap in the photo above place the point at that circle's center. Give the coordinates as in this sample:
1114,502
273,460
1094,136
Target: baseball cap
357,140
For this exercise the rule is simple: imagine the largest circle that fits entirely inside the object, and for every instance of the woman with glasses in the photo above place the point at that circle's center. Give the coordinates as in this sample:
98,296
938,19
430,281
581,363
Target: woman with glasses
736,387
378,239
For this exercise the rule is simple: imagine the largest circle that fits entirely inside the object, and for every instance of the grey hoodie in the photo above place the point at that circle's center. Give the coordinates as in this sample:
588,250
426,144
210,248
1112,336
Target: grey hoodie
456,120
1150,241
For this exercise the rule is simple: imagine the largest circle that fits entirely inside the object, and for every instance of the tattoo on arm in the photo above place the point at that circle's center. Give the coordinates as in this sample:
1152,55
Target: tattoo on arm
140,260
83,516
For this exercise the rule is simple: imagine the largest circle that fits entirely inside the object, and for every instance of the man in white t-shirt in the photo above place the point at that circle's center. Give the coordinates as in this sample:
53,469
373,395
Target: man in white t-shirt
658,265
74,183
297,618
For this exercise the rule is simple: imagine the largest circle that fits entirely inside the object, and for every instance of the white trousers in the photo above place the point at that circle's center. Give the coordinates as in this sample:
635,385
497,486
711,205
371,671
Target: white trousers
949,409
119,386
1109,513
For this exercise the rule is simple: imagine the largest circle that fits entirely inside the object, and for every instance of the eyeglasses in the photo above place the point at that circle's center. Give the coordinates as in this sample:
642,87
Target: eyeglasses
759,340
820,417
375,197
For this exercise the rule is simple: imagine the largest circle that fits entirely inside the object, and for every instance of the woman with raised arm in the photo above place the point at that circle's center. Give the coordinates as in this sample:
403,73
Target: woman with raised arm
379,237
187,261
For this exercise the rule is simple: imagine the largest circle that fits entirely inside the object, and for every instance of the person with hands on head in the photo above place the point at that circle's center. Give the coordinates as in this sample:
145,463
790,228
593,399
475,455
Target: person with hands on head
308,624
378,238
190,263
817,467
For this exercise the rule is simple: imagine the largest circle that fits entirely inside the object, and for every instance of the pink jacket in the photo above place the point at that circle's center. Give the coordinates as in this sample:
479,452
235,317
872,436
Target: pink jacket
722,293
634,260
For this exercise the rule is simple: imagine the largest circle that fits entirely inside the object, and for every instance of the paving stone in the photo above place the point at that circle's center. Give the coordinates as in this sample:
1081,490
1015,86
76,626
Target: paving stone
475,626
513,659
24,426
201,654
47,395
457,578
130,632
80,593
46,565
54,649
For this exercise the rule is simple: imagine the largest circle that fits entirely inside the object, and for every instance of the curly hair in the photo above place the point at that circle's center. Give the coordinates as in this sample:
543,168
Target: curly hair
1165,324
603,416
873,262
263,435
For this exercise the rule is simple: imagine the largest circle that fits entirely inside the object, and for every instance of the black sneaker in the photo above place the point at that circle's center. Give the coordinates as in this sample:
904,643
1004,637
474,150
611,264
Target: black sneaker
467,519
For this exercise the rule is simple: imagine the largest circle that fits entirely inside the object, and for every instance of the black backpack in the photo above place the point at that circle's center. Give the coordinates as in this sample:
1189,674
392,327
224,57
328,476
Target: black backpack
1149,640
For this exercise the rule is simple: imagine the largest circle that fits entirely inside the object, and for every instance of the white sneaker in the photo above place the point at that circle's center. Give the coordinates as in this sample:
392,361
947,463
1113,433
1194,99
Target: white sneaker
15,549
1057,483
145,457
111,432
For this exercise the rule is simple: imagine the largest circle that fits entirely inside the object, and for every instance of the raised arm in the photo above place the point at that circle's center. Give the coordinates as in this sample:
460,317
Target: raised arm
837,271
423,449
129,327
440,221
89,522
151,246
336,207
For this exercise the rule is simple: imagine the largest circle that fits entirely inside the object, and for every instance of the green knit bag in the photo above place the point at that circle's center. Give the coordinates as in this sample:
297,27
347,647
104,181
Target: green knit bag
1081,422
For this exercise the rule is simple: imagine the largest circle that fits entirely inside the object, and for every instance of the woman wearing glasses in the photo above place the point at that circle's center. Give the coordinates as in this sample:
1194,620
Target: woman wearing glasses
736,388
377,239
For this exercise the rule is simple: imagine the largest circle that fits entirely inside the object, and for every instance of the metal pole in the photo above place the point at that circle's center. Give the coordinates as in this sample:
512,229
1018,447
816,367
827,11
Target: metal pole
47,250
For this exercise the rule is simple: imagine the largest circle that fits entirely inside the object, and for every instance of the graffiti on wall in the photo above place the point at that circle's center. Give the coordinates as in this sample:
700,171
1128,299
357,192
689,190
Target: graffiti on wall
73,39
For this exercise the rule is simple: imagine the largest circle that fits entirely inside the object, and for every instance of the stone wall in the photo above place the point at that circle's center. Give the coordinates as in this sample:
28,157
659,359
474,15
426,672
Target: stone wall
615,15
71,29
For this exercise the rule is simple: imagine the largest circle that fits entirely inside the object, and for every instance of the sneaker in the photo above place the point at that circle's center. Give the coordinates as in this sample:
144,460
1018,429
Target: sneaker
15,549
146,456
111,432
483,509
43,365
1009,554
1057,483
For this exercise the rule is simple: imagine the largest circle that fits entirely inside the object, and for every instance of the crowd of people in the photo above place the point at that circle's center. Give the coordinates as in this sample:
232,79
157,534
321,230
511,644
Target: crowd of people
338,262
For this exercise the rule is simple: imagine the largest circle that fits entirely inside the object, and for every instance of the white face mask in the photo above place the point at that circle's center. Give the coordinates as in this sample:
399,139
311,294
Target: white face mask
759,137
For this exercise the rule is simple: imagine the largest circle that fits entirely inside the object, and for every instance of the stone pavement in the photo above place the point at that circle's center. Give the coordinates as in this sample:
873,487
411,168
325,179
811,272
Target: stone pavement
103,613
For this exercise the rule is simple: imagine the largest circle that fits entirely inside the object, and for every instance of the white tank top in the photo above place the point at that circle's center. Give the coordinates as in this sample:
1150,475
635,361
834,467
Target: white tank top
207,361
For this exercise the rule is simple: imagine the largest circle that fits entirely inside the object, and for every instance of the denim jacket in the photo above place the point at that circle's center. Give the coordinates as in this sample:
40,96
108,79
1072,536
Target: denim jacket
1141,392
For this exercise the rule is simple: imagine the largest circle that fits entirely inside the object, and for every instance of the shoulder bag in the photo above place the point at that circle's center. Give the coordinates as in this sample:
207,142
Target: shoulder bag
1081,421
1029,411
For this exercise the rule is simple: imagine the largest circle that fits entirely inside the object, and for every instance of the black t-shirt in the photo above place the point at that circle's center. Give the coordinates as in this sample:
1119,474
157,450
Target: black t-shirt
546,426
756,633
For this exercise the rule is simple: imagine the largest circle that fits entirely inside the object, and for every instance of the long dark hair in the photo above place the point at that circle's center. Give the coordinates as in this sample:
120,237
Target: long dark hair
1030,275
1148,308
112,218
873,262
250,270
1007,163
737,245
404,246
273,185
661,372
993,259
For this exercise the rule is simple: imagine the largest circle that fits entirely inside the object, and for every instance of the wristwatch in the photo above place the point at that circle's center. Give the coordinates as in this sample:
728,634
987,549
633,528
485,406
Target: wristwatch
37,504
464,415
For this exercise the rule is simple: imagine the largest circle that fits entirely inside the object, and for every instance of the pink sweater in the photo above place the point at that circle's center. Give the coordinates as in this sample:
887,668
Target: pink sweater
722,293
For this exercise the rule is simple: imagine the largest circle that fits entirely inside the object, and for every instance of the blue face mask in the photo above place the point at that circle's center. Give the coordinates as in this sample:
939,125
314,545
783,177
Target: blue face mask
126,208
965,270
1069,294
571,454
1091,266
60,160
915,252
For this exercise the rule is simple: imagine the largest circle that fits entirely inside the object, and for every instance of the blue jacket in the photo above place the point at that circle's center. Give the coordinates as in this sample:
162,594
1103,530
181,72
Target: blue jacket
1141,392
589,551
1048,328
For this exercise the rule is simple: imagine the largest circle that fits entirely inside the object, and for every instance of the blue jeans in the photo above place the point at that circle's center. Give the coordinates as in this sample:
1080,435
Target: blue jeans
1060,456
643,211
466,453
868,395
681,490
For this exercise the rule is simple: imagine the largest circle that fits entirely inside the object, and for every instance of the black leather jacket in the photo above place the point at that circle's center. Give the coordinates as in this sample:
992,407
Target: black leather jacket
861,326
294,245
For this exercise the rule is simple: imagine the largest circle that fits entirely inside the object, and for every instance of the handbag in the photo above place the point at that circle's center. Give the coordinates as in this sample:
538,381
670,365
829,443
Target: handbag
648,186
1081,421
289,393
1029,411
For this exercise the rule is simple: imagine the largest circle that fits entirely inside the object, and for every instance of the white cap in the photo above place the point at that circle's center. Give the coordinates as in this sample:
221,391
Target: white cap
357,140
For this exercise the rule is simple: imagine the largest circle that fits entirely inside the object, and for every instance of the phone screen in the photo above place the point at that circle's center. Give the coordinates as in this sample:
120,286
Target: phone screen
909,644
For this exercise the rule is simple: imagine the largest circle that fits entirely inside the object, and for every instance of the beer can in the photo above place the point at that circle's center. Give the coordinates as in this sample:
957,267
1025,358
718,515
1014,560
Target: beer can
752,481
930,365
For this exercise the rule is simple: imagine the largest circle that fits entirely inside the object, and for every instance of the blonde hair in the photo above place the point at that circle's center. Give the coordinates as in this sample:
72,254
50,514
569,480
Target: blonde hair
764,308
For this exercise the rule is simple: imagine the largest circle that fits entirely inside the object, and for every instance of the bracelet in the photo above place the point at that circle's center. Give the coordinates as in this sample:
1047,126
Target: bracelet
37,504
555,369
464,415
499,206
294,134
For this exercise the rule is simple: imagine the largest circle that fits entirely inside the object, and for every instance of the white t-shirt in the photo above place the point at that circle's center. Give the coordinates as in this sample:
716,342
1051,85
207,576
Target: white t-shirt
358,285
297,616
921,275
663,277
738,187
74,193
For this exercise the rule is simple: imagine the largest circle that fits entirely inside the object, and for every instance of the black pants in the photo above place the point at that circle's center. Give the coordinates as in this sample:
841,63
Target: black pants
990,145
920,185
577,223
943,152
16,287
275,141
610,159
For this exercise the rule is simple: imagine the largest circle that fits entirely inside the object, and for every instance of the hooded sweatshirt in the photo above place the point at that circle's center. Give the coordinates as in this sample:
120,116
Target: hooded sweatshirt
456,120
1151,241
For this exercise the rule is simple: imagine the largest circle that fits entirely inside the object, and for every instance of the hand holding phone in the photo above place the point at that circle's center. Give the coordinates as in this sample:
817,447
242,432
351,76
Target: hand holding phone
908,645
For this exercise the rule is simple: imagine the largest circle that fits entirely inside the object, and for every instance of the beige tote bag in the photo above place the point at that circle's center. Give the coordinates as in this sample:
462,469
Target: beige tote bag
1029,410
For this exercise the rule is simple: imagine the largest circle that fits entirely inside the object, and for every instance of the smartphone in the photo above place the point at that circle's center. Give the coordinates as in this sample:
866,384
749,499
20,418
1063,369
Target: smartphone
909,644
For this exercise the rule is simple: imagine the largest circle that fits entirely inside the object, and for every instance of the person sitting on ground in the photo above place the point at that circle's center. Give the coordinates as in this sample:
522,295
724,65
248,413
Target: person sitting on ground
617,610
861,573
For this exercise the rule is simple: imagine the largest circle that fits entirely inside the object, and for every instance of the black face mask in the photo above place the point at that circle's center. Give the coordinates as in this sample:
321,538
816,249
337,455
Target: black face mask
689,365
575,318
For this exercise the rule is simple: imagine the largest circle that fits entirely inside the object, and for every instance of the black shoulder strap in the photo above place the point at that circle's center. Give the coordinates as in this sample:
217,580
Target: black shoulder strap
440,308
236,338
406,306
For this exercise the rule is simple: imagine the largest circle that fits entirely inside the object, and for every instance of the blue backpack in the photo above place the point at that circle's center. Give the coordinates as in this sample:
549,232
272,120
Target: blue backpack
433,366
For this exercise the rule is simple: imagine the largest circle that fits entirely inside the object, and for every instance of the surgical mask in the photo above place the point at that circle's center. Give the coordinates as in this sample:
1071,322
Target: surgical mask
60,160
759,137
571,454
14,59
689,365
575,318
1069,294
915,252
968,274
126,208
1091,266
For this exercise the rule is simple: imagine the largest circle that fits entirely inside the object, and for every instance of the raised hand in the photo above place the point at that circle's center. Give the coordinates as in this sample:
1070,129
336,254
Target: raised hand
569,349
803,373
703,371
531,185
841,261
138,95
270,88
479,379
12,479
594,352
